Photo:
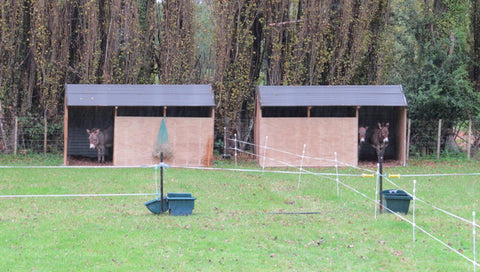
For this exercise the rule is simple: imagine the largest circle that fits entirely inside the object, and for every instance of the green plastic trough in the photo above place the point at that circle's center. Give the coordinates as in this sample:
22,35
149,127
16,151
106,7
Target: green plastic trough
155,206
180,203
175,203
396,201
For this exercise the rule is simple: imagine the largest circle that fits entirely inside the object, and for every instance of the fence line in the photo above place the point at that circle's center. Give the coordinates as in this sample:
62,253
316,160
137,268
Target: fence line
367,170
431,137
292,154
430,204
31,134
302,170
414,225
376,202
73,195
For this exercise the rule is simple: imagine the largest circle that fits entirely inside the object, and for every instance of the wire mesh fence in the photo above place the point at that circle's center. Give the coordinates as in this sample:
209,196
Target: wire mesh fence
23,135
29,134
437,137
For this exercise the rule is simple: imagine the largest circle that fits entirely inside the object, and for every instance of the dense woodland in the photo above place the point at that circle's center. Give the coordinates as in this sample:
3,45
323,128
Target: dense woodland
431,47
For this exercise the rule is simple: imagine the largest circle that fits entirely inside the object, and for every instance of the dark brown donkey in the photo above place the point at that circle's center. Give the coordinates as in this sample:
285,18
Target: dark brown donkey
379,139
100,139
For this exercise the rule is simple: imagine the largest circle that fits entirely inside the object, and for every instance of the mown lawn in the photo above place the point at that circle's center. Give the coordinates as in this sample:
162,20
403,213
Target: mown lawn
242,221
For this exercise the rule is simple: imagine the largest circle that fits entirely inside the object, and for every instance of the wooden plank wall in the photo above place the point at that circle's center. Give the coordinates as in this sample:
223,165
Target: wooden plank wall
322,136
191,139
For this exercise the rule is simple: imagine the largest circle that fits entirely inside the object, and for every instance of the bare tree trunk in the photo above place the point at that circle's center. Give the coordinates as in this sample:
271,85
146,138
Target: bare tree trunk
475,53
450,143
2,131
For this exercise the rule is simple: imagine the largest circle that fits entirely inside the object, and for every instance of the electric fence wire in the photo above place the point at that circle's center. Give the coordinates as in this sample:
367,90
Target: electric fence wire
324,175
402,217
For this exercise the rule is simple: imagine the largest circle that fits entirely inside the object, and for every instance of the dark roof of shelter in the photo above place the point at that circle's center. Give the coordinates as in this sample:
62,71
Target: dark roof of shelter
335,95
138,95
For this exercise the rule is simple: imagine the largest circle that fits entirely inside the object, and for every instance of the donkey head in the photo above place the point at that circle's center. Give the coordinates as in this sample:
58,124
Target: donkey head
383,132
93,137
362,132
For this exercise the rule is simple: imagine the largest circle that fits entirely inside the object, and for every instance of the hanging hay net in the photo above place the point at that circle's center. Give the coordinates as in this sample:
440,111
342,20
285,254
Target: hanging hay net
163,143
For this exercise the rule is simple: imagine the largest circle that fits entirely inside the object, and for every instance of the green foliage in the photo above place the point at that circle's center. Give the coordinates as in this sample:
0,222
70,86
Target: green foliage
240,222
177,53
432,60
32,159
236,55
430,47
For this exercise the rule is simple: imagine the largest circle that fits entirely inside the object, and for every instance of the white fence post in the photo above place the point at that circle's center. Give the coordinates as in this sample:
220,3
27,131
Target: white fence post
377,195
264,153
336,170
414,201
301,167
474,243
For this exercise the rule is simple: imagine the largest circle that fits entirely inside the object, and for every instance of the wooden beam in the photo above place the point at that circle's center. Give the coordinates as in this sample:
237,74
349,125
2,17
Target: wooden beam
65,136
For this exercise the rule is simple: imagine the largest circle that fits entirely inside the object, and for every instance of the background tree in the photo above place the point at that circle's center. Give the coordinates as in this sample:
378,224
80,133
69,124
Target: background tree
49,46
327,42
177,53
475,45
13,52
432,59
432,64
238,35
429,46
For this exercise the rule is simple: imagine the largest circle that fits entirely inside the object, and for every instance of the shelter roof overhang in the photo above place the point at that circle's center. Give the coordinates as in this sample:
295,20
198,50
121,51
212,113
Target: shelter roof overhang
139,95
333,95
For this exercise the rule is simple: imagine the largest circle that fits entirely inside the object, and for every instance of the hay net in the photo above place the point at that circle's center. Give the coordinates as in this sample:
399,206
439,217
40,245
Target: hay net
163,144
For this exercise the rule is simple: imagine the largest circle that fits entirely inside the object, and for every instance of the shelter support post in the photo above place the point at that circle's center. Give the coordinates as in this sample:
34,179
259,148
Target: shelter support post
65,136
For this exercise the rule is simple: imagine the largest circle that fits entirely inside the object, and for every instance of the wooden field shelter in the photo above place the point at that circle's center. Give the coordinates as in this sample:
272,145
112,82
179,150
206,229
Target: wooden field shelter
316,126
136,113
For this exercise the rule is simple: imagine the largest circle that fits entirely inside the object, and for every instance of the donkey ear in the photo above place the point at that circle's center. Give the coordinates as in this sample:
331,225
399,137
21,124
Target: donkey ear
379,125
387,124
88,131
97,131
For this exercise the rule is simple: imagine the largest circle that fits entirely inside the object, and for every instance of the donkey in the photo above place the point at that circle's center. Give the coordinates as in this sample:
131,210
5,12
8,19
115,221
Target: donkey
379,139
100,140
362,134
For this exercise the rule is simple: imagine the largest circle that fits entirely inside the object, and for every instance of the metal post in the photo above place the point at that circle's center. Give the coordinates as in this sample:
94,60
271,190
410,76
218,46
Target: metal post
161,181
380,182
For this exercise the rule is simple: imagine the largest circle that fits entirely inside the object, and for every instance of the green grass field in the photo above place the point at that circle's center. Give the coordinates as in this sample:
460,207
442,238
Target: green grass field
242,221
